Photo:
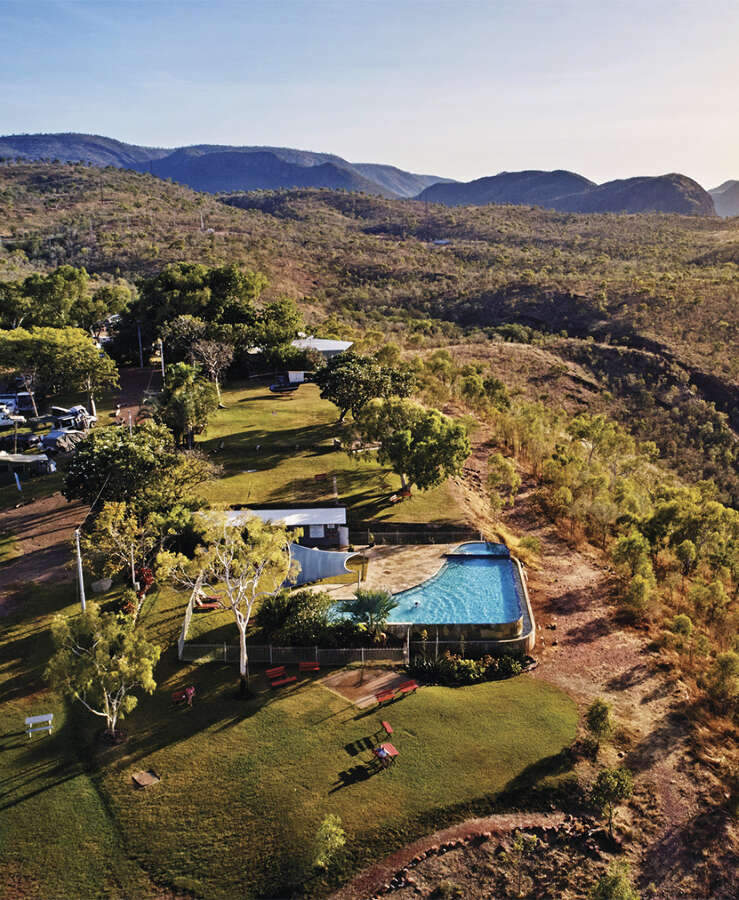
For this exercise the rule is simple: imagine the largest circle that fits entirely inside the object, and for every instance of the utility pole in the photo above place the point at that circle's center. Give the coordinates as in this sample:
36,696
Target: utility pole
141,349
79,570
161,355
130,423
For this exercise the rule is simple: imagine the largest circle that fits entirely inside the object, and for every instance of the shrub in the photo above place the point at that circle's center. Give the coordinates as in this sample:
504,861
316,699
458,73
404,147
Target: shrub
509,667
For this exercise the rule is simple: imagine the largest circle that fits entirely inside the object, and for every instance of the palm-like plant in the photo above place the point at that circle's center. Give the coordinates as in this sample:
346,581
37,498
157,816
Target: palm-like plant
370,608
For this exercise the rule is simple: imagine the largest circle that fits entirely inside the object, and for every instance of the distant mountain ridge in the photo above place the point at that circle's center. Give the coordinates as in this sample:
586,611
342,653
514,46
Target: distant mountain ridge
569,192
726,198
216,167
222,168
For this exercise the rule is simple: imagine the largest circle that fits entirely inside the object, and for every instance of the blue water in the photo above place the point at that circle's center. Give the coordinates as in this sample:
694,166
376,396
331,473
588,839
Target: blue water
480,590
481,548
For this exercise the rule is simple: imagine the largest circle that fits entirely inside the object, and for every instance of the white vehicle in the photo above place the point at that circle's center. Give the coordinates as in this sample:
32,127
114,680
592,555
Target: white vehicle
7,420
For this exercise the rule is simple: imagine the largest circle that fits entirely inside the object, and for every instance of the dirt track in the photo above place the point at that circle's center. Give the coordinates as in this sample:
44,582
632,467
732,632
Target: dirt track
43,531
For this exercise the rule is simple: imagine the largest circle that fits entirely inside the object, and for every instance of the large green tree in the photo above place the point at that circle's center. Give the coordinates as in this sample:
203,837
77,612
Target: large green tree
185,404
99,660
350,381
141,467
422,445
56,359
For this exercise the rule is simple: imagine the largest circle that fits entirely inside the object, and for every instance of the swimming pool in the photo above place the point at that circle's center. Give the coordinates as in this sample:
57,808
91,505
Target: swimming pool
477,585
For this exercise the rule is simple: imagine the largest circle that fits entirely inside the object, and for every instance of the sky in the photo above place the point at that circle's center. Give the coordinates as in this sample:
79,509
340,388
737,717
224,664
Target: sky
459,88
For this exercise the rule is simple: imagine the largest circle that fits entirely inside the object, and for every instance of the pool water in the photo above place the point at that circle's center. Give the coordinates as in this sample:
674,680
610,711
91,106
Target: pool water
480,589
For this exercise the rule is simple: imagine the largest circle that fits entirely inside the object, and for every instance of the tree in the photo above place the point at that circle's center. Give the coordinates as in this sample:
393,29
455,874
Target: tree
46,300
243,562
523,846
91,310
350,381
370,608
185,404
632,550
608,790
330,838
598,719
116,541
503,478
180,335
722,680
56,359
142,467
215,357
99,659
615,884
423,446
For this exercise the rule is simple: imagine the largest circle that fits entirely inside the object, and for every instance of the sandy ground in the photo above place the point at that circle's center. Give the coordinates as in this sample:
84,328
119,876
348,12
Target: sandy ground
43,531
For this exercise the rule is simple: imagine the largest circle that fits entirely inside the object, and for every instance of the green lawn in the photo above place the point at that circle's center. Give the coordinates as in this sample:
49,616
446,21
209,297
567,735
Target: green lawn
295,439
244,785
8,548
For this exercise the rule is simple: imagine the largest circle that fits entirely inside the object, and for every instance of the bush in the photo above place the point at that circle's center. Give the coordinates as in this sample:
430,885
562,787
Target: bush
455,669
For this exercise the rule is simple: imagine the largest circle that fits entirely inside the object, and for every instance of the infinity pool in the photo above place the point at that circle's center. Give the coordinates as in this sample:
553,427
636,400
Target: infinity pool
476,585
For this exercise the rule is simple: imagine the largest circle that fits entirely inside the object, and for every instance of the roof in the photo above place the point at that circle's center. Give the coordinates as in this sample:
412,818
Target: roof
319,515
321,345
23,457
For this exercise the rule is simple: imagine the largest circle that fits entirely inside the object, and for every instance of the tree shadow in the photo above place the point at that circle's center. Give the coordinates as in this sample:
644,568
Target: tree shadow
589,632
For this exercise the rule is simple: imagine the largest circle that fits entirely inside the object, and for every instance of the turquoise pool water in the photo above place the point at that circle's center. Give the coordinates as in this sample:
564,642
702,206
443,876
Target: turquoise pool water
480,589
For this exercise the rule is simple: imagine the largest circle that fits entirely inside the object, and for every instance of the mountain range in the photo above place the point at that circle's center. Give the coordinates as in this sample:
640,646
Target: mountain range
569,192
216,168
220,168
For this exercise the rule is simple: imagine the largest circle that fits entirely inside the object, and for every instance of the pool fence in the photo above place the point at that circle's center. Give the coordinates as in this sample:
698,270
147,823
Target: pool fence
269,654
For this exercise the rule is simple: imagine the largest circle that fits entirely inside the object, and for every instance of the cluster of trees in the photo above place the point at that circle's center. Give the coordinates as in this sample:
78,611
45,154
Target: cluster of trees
47,360
64,297
211,316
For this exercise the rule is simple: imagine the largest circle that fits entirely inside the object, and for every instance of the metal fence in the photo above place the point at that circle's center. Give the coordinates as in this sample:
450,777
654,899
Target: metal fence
468,649
269,654
369,536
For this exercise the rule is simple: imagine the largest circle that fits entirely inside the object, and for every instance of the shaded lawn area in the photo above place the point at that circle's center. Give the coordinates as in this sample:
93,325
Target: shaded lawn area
56,836
8,548
245,785
295,438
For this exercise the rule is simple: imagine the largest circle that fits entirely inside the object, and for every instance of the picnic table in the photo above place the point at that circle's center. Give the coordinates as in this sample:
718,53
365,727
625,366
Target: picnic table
386,753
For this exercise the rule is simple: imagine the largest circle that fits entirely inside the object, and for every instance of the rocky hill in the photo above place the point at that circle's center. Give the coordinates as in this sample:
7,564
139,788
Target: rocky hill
569,192
217,168
726,198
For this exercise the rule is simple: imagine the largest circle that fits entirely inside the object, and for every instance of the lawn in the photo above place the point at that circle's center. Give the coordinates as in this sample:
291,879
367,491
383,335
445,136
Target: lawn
244,784
278,450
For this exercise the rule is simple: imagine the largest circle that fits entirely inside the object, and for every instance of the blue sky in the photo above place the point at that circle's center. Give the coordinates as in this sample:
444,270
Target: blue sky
464,88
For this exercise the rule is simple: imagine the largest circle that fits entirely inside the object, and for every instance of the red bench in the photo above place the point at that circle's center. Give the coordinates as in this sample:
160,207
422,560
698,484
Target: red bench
385,695
277,672
309,667
207,607
280,681
187,694
408,687
388,728
278,676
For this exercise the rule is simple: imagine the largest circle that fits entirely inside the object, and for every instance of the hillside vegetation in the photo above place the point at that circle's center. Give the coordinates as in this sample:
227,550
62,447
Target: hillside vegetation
644,304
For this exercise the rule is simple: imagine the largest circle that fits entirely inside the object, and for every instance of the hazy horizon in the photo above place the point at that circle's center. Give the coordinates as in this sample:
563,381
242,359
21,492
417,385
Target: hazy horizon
460,90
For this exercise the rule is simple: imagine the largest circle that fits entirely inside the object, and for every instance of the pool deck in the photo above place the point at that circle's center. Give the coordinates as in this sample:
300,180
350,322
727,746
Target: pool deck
395,568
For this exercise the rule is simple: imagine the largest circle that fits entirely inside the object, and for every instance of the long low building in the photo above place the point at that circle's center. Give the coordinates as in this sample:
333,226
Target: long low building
323,526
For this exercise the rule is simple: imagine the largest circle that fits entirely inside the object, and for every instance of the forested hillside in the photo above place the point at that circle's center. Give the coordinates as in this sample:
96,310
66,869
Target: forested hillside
644,305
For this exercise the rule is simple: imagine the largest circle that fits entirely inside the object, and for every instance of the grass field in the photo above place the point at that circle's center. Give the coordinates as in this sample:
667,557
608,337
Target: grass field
278,450
244,784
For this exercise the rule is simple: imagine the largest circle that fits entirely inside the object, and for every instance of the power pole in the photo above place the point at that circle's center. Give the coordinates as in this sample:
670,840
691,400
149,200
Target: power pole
79,570
141,349
161,355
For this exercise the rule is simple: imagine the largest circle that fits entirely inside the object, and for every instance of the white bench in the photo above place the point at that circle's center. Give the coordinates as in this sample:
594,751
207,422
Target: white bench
41,723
